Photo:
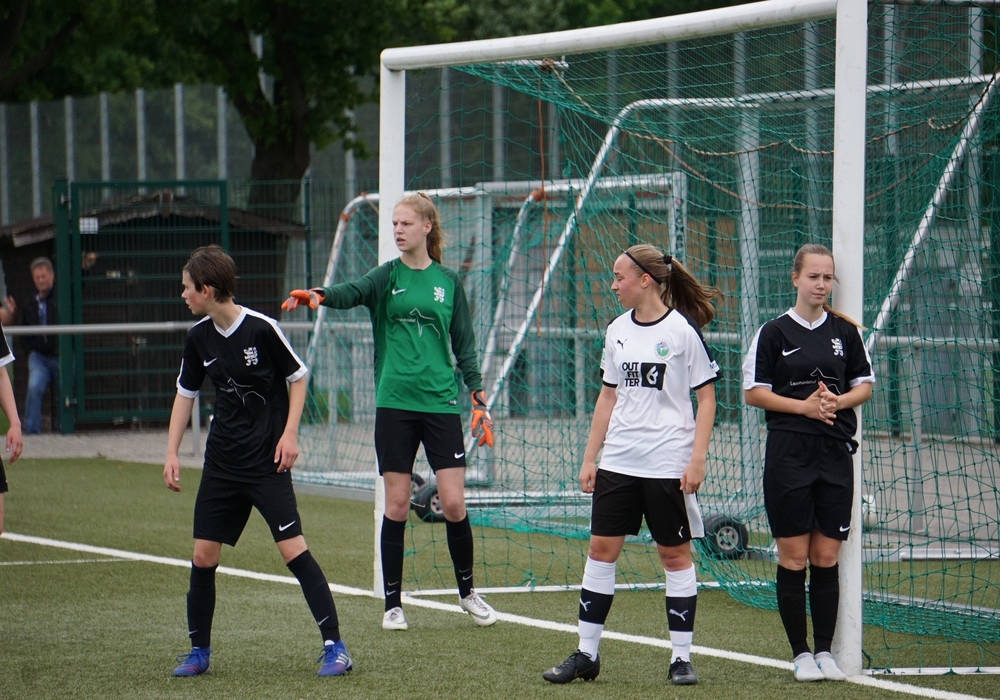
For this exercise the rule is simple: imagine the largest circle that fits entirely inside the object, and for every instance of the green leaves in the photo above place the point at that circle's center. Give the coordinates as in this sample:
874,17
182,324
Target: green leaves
294,69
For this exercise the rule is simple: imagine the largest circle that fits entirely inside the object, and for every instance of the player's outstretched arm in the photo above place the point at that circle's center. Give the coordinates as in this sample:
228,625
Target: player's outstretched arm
310,297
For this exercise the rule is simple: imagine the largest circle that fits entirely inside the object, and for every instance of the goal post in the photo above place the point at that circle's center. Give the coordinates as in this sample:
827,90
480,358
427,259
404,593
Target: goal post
848,218
729,138
848,168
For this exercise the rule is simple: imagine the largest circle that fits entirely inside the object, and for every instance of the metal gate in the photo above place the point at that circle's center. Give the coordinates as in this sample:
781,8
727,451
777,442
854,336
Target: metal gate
122,246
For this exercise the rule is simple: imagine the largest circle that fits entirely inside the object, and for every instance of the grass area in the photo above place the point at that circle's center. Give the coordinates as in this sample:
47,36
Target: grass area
82,625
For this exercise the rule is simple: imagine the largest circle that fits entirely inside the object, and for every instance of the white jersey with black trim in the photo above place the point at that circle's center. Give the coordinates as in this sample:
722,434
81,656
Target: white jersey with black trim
654,367
249,364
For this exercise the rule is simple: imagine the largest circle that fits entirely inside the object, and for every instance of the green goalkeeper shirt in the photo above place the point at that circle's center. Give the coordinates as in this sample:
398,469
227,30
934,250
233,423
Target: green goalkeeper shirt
419,318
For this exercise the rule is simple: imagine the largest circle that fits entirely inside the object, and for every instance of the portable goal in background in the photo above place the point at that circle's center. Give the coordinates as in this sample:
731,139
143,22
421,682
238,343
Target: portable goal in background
711,135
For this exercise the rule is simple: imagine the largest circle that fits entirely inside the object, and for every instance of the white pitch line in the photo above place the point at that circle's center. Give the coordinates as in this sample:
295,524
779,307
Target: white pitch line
183,563
58,561
867,681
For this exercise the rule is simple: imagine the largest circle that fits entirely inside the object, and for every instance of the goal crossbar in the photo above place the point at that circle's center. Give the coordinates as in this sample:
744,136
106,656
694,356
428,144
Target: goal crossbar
696,25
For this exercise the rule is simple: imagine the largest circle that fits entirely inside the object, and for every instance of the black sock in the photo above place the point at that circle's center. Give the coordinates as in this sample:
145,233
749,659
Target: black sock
392,562
594,607
201,605
824,600
316,590
680,613
790,587
460,546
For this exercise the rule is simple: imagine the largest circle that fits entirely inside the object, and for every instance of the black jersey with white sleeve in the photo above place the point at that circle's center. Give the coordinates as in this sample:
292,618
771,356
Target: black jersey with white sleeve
6,356
790,356
249,364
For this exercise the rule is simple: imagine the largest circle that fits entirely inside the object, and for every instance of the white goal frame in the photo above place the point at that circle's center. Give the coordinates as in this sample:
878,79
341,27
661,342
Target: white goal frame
848,173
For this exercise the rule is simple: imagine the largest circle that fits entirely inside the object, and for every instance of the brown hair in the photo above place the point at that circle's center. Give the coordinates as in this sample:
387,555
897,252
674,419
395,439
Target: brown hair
422,205
211,266
680,290
800,260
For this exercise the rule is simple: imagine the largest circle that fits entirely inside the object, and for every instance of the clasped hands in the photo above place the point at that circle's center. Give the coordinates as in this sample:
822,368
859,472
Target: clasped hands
822,404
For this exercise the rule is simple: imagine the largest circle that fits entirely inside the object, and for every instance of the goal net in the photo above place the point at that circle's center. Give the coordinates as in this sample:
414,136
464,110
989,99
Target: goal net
719,149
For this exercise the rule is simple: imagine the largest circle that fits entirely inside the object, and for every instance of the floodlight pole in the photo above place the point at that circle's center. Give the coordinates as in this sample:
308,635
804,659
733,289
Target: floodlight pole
851,81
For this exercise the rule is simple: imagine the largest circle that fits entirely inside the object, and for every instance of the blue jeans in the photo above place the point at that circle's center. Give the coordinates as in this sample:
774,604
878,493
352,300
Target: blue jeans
42,371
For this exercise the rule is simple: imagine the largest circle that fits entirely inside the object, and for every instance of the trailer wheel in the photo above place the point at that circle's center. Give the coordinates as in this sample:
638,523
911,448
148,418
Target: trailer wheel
725,537
416,483
427,504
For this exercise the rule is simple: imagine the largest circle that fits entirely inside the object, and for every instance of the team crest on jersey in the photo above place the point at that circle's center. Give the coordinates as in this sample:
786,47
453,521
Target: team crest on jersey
838,347
439,294
662,348
250,355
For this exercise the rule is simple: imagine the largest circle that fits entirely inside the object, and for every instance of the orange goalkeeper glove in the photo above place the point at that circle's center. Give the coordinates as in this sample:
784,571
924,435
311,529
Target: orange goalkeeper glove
481,417
312,297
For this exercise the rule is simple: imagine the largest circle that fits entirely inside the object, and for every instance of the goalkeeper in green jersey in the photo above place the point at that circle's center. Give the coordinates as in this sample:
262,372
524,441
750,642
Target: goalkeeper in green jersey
420,317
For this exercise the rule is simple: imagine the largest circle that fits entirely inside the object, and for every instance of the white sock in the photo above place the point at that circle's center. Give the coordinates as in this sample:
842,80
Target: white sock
681,643
590,638
599,577
681,584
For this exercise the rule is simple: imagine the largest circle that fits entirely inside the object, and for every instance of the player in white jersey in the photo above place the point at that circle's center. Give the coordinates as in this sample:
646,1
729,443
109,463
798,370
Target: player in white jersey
808,369
655,446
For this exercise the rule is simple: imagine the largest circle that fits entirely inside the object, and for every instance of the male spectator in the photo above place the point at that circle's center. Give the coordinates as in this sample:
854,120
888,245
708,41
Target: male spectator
43,364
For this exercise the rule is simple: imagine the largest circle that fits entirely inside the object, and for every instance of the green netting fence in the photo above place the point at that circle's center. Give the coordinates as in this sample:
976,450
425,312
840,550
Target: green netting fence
719,150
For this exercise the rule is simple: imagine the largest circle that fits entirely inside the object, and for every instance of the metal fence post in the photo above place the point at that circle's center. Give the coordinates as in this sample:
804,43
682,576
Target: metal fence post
64,288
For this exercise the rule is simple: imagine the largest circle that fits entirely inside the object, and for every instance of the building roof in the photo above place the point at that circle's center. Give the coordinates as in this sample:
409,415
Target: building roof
157,204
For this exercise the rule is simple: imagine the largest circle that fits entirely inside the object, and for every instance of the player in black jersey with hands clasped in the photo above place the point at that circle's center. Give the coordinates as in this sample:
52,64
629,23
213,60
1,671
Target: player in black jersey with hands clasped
252,445
808,369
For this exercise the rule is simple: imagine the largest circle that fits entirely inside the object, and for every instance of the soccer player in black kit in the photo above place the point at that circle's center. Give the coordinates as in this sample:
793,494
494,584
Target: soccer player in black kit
808,369
13,443
252,445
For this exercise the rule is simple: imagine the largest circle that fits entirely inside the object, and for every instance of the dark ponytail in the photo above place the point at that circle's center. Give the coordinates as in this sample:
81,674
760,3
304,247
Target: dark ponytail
679,289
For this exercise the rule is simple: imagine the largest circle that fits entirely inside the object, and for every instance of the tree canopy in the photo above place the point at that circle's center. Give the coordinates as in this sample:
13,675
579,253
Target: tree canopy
54,48
293,69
